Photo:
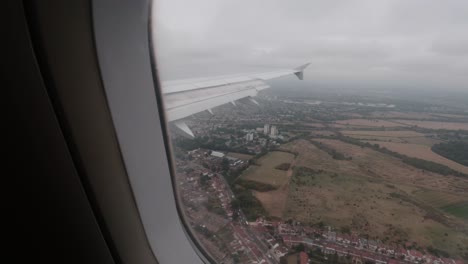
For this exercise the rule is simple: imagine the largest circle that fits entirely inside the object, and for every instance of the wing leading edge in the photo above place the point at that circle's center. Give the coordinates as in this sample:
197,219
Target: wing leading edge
187,97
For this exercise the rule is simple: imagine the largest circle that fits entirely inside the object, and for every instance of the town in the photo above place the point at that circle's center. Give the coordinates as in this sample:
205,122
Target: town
231,223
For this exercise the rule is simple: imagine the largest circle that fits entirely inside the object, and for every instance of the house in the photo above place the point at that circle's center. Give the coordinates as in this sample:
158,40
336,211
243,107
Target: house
217,154
372,244
304,258
415,255
363,243
291,240
328,250
345,239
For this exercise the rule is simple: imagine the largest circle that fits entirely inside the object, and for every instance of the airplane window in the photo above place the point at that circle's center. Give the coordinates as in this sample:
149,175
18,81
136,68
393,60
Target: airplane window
318,131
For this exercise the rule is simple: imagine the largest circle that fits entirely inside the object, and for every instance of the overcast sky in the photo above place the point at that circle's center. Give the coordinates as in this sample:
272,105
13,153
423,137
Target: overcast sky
374,43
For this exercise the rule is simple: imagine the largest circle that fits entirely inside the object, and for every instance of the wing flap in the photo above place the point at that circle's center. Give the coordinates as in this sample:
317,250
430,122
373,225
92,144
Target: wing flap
180,105
186,97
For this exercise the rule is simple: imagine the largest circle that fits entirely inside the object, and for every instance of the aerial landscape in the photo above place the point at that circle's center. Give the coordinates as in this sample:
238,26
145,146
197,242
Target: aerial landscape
342,136
334,177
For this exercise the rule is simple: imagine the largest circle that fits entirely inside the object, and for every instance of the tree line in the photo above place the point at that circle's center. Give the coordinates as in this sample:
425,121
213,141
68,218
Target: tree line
453,150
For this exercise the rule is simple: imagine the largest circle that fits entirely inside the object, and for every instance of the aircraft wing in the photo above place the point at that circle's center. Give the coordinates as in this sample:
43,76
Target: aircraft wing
183,98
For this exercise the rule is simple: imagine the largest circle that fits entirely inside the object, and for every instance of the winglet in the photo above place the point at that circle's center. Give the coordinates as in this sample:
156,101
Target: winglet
300,71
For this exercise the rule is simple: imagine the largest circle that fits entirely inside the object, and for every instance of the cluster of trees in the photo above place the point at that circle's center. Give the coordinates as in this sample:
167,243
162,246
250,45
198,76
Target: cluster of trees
295,153
206,143
250,205
345,230
187,144
254,185
454,150
431,166
283,166
204,231
332,152
228,130
204,181
306,172
299,136
255,159
451,135
304,175
232,175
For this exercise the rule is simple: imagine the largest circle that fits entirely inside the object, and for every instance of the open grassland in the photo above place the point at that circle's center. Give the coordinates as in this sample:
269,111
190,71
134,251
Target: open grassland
352,115
421,152
434,125
317,125
375,194
325,133
396,136
439,199
368,123
274,201
369,208
376,138
265,171
387,167
406,115
414,115
459,209
401,123
449,115
387,134
456,205
426,141
239,155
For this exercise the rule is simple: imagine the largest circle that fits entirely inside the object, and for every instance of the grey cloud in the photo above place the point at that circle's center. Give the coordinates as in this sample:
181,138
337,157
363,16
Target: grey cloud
419,43
452,46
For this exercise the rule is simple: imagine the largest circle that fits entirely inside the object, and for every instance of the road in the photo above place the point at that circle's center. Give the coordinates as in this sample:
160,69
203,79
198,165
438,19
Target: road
254,240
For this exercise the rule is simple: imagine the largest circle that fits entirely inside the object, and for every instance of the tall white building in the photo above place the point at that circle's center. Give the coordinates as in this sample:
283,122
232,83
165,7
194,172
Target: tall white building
266,129
274,131
249,136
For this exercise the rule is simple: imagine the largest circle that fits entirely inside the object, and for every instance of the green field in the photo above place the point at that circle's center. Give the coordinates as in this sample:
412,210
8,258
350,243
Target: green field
265,171
377,195
458,209
438,199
